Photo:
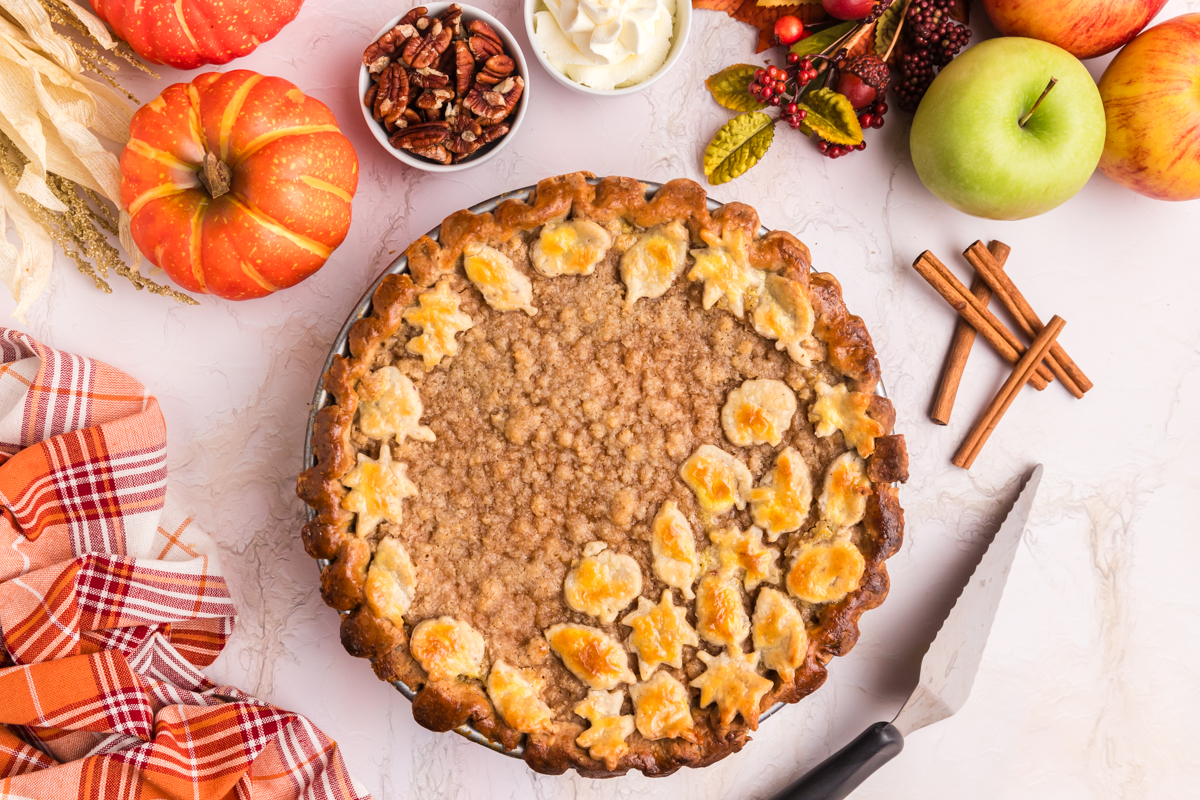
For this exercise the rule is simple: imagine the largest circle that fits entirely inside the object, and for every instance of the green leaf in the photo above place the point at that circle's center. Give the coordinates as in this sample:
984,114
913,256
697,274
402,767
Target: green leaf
738,146
729,88
831,117
885,28
822,39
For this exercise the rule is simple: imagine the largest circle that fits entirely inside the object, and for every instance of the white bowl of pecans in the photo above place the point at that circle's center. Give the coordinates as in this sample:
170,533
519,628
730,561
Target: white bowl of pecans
443,87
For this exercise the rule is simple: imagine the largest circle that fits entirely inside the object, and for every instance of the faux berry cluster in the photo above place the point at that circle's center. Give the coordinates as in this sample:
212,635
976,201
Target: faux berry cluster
931,40
782,86
833,83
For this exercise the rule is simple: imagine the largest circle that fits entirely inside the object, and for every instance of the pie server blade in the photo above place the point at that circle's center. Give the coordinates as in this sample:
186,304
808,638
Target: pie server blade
947,670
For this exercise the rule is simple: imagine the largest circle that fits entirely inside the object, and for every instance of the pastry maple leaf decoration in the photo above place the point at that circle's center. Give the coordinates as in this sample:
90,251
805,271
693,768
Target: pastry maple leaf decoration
659,633
377,489
732,681
439,319
605,739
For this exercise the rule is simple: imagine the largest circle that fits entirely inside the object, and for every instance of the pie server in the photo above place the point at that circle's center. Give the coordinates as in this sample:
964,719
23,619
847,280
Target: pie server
947,671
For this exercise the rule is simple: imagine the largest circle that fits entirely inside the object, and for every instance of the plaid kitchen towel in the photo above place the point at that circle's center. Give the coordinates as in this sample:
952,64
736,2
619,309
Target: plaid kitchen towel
111,600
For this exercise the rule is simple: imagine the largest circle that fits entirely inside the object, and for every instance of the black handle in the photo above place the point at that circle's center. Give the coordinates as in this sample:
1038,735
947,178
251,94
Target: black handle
840,774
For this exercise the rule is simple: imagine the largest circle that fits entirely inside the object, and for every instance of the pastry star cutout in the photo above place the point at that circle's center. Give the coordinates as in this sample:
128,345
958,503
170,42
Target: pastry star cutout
390,406
605,739
781,502
377,489
724,266
745,551
659,633
783,313
662,708
439,319
733,683
839,409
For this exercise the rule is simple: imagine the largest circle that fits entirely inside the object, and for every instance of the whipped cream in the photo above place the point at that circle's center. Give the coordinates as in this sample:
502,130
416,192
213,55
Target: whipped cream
606,44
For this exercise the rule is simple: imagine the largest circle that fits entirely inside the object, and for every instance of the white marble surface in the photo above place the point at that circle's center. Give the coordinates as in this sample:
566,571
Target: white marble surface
1088,687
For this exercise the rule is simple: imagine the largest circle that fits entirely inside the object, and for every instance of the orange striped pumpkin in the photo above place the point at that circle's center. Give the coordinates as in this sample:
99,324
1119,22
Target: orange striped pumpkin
187,34
237,184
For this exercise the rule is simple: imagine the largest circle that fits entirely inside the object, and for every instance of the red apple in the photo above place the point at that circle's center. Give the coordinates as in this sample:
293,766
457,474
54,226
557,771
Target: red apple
848,9
1084,28
1151,94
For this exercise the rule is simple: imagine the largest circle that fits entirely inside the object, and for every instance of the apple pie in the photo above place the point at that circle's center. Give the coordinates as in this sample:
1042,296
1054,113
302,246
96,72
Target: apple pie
605,476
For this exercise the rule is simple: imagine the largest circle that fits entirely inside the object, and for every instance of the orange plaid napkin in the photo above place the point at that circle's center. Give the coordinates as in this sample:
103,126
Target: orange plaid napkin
111,599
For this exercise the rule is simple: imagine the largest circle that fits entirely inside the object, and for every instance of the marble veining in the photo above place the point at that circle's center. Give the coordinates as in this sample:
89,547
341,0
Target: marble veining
1087,688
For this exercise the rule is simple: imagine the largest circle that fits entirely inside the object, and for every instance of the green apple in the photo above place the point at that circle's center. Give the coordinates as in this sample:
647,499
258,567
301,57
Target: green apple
971,149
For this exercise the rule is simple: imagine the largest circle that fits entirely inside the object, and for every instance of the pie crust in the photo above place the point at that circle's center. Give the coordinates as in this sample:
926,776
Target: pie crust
563,485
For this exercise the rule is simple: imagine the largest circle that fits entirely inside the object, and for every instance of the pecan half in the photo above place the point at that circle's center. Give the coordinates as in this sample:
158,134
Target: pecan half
464,68
491,133
433,99
481,28
464,134
496,69
452,18
387,46
424,51
421,135
392,96
428,78
436,153
493,103
483,47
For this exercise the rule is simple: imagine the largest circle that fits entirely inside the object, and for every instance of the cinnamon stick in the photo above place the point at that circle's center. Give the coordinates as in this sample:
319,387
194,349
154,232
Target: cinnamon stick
962,301
960,349
990,268
1021,374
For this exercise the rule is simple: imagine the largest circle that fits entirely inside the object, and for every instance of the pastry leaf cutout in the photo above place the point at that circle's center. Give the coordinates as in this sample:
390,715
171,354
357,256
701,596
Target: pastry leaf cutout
729,88
830,116
739,145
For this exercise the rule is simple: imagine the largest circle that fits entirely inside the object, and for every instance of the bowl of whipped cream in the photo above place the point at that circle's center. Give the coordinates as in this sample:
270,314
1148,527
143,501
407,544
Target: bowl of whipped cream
608,47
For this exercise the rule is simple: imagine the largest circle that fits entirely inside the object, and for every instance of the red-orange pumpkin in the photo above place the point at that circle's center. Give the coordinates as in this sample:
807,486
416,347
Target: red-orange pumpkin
186,34
237,184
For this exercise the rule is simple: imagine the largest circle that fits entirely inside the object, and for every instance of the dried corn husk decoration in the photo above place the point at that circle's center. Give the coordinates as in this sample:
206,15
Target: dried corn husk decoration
60,183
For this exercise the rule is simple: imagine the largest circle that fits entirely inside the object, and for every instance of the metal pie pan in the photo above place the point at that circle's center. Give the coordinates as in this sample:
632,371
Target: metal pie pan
341,347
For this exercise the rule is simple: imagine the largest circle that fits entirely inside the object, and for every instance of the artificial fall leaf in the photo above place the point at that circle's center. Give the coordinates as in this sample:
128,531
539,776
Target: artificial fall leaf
821,39
885,28
831,117
739,145
728,87
764,17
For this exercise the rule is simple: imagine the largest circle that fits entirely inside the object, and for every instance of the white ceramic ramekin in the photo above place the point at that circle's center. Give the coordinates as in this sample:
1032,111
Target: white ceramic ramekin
683,26
470,13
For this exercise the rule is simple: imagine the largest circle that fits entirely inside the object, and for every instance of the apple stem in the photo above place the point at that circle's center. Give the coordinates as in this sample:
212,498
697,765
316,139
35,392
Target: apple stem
1045,92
